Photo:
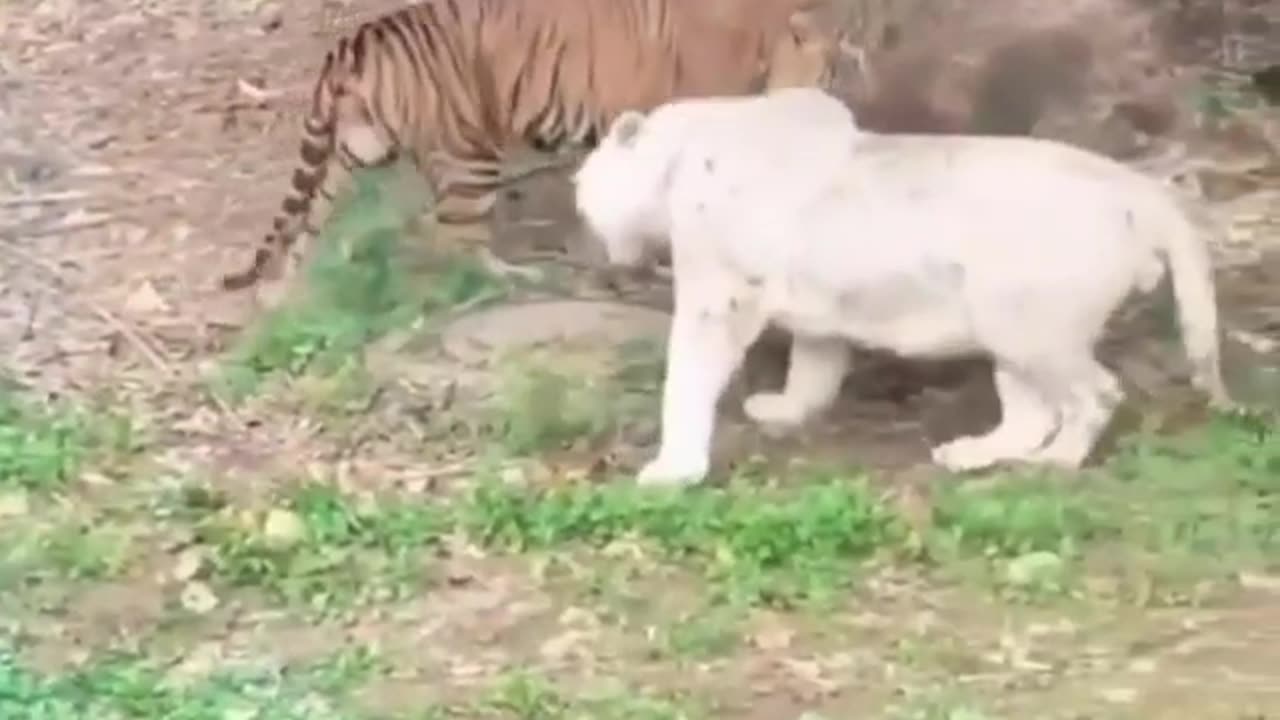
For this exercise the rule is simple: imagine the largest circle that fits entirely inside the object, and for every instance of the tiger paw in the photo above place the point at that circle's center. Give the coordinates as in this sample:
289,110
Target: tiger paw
498,267
775,410
967,454
673,472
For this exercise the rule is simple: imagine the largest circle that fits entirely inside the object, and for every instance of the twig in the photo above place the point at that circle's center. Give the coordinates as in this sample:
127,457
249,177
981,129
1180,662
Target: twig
146,347
43,198
90,222
131,334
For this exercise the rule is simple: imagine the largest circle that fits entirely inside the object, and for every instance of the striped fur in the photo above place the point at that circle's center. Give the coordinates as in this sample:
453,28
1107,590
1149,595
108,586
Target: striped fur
455,85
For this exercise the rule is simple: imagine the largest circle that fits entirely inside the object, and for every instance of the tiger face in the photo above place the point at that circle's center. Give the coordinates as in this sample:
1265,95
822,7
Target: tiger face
806,55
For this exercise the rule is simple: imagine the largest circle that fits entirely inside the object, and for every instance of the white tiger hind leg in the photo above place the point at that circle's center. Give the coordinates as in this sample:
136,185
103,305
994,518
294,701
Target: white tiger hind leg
1025,421
815,372
1088,401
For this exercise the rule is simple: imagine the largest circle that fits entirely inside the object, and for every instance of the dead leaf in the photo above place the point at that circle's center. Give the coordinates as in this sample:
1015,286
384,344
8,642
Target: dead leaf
773,635
189,565
14,504
146,300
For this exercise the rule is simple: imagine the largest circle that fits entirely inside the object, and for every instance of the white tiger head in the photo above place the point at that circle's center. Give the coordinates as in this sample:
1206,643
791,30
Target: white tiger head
620,191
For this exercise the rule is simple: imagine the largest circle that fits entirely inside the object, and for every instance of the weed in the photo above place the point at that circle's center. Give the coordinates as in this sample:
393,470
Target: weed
60,545
1203,502
38,449
545,404
708,632
531,697
43,446
129,686
937,705
538,408
761,545
1012,515
323,550
358,287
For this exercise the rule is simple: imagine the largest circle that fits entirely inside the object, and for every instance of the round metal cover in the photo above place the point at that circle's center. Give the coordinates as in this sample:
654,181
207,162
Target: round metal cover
486,334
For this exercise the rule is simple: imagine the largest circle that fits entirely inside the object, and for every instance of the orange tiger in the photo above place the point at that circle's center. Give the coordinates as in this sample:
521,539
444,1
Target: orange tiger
455,85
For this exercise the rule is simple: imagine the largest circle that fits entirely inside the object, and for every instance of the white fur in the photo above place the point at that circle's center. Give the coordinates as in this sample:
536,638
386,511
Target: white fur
779,210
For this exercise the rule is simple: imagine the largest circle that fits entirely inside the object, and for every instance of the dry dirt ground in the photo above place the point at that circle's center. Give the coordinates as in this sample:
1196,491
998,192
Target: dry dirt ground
138,163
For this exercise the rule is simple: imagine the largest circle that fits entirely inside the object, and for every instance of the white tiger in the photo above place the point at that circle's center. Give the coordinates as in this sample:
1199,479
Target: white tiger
779,209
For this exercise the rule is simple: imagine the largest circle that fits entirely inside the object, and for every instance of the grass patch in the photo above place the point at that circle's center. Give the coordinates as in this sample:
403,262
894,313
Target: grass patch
318,548
936,705
545,404
43,446
1170,511
706,632
756,544
531,697
123,685
357,287
538,409
130,686
62,545
1204,504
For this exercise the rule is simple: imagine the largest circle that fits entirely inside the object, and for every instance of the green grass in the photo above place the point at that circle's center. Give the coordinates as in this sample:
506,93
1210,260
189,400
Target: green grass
131,686
44,446
1203,505
317,547
523,696
65,547
756,544
358,286
128,686
936,704
1162,516
325,550
542,405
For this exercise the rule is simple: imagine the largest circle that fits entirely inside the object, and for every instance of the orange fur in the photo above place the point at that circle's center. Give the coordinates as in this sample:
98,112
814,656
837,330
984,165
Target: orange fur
457,84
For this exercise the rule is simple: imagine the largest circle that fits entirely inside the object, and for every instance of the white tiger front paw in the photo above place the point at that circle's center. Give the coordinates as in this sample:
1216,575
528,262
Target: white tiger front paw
775,409
964,455
673,472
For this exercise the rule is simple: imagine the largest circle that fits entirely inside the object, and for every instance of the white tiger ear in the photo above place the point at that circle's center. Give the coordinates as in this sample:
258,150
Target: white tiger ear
626,127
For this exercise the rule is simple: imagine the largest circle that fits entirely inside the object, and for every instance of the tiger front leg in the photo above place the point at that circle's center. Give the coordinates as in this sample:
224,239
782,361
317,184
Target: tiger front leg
467,193
475,240
707,344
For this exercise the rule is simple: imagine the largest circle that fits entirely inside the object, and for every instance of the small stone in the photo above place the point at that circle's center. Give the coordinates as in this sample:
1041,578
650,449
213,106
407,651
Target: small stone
283,528
190,563
198,598
1035,569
